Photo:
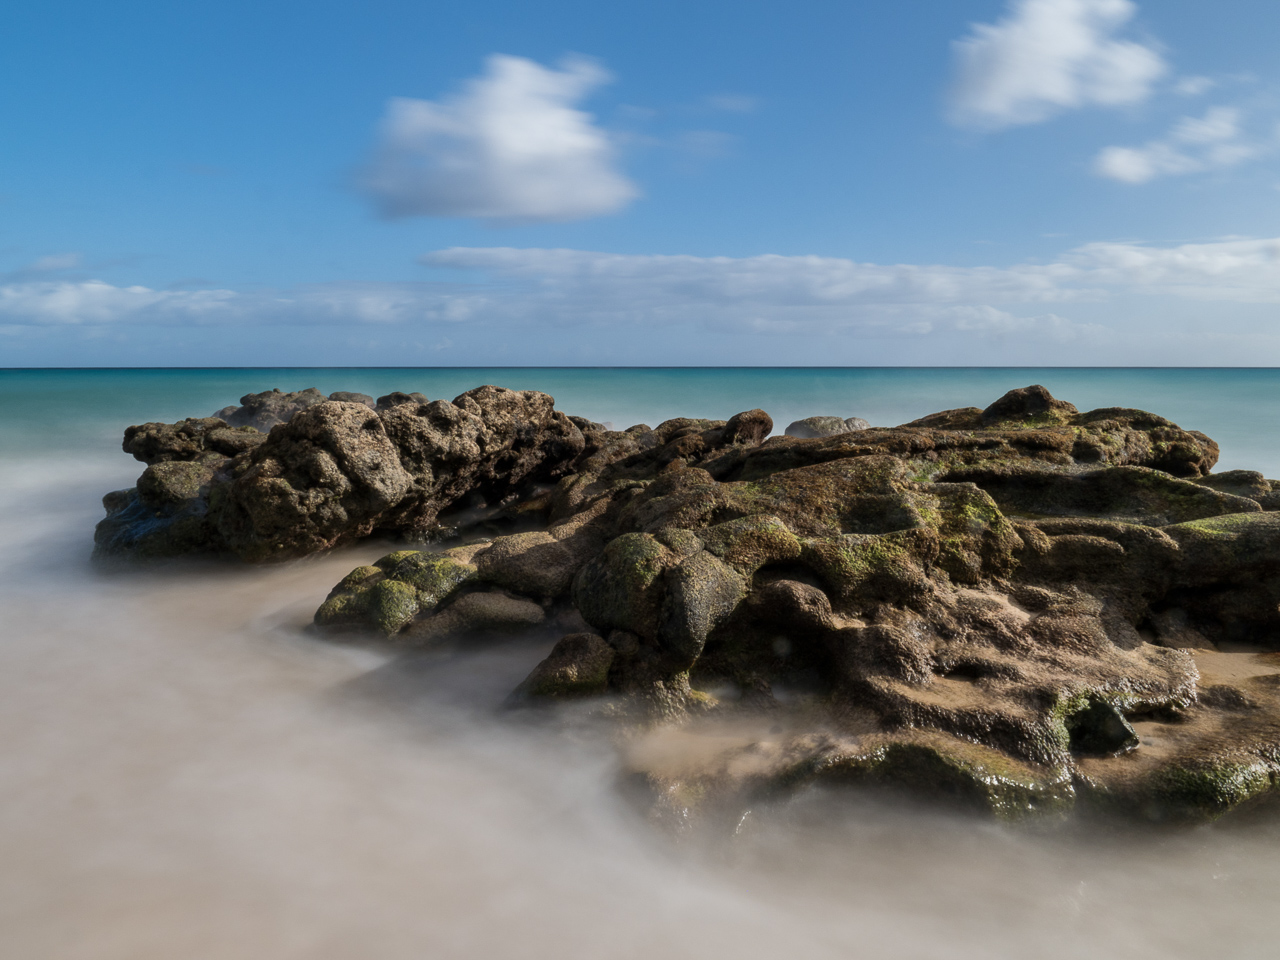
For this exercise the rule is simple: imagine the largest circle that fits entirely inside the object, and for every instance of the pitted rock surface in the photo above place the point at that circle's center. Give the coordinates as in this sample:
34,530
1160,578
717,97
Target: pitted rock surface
1020,607
339,471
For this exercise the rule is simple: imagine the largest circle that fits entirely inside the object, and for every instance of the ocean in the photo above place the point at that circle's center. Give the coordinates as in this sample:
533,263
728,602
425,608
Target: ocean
186,772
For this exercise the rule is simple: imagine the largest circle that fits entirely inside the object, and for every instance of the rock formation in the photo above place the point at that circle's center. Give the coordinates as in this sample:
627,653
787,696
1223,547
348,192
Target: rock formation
336,471
1024,608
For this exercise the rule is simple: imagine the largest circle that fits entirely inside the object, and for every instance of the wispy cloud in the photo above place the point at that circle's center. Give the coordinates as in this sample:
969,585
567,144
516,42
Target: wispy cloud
762,294
635,286
56,261
42,267
1236,271
1047,56
1194,86
511,147
1194,145
92,302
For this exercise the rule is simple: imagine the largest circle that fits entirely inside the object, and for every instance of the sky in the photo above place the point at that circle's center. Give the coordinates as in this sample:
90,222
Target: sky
868,182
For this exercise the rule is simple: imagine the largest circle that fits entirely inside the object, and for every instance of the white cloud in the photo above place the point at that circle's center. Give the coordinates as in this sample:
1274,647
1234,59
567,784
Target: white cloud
676,284
706,144
991,322
41,268
56,261
93,301
1194,145
512,146
1194,86
58,303
1239,271
1219,124
1046,56
1055,302
788,293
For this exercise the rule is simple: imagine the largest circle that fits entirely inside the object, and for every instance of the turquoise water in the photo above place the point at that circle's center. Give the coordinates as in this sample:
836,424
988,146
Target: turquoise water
187,773
1240,408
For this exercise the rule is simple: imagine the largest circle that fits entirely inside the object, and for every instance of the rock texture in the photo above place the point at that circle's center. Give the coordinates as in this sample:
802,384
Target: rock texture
1022,608
336,471
811,427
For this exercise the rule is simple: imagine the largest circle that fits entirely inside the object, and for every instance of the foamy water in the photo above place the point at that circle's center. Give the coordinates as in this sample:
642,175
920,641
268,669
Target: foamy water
187,774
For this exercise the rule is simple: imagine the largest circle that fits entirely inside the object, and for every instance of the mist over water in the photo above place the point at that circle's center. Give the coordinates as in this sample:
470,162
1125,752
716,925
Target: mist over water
187,773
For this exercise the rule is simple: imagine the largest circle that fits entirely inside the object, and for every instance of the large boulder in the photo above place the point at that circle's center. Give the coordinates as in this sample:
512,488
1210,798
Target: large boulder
337,471
328,476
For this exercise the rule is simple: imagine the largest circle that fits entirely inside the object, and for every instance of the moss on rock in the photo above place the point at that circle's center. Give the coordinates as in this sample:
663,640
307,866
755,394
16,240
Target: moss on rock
622,588
981,605
384,597
578,666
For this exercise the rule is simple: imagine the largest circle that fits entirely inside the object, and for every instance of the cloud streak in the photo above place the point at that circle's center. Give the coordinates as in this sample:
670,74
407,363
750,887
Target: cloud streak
762,294
1194,145
1226,271
511,147
1048,56
94,302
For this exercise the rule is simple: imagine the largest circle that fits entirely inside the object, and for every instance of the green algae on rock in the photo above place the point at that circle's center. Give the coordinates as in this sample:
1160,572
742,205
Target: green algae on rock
387,595
1023,608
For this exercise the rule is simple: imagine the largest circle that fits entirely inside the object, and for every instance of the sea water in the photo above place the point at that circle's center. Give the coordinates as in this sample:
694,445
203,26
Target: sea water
186,773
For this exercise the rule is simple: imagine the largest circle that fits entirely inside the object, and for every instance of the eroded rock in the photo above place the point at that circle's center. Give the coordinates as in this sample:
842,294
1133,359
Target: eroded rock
1020,607
337,471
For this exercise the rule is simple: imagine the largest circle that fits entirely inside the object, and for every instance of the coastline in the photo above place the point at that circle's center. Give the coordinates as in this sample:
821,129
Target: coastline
308,798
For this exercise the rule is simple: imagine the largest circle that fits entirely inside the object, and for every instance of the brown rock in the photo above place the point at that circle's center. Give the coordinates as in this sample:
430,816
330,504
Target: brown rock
578,666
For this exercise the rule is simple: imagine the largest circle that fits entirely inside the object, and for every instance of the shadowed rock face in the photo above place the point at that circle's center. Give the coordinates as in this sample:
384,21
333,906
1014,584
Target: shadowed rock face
336,472
1021,608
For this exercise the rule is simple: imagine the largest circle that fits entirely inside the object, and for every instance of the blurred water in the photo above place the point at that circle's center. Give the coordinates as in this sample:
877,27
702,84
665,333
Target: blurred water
186,773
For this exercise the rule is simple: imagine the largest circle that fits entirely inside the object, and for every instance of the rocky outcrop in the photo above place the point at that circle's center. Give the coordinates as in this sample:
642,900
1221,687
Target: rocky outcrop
338,471
1023,608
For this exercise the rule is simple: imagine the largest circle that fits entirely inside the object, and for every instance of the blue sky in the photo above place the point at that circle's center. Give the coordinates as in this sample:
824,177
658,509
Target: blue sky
876,182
